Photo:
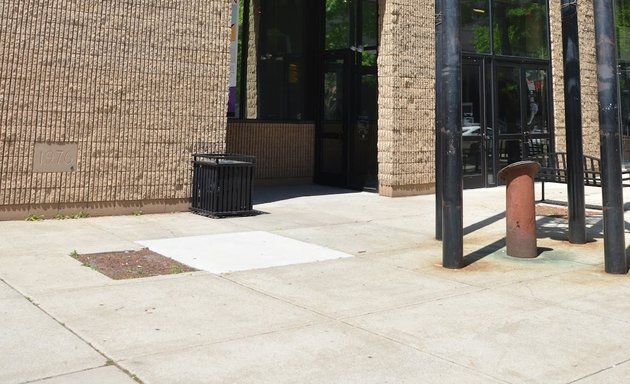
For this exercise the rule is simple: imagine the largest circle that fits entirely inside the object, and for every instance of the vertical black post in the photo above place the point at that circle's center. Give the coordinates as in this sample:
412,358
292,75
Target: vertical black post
573,119
452,228
609,133
439,112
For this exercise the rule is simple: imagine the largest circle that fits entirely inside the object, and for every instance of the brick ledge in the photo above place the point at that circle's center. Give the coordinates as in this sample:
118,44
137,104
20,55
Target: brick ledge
104,208
406,190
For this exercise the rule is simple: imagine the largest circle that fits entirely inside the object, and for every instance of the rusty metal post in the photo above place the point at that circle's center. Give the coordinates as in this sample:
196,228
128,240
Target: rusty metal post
520,209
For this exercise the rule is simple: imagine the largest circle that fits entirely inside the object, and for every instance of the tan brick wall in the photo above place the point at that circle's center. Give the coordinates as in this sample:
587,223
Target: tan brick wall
284,151
588,80
138,85
252,60
406,65
557,78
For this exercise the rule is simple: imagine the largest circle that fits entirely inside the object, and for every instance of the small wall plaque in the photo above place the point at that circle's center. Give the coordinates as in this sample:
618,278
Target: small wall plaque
55,157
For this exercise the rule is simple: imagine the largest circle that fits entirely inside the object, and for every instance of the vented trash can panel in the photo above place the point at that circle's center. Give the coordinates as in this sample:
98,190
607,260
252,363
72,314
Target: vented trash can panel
222,184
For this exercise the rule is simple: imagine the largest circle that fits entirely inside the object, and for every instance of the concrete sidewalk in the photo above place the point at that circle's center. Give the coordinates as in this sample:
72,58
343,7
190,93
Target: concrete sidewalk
388,314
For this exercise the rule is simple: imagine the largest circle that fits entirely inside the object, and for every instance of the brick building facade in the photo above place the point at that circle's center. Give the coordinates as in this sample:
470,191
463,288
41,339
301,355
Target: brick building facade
102,103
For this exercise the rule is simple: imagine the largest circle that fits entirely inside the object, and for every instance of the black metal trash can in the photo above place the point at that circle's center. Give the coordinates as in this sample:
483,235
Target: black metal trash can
222,184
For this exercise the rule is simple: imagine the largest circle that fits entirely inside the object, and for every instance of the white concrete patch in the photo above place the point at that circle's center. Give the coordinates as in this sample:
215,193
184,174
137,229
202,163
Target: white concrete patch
240,251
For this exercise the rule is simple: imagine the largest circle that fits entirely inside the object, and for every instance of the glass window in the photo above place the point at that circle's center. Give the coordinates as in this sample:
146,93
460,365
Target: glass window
520,28
337,24
508,100
537,113
369,23
280,60
368,99
471,100
274,60
475,26
509,152
622,21
333,91
279,45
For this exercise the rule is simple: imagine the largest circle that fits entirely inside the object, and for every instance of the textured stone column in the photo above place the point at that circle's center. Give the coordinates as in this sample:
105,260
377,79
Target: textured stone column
406,71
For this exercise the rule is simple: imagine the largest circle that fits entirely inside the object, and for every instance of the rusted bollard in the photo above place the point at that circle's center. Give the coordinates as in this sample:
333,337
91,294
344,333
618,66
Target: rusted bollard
520,210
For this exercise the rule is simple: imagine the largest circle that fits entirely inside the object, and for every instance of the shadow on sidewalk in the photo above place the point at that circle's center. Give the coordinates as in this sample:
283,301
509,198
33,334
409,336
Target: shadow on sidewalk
270,193
483,252
484,223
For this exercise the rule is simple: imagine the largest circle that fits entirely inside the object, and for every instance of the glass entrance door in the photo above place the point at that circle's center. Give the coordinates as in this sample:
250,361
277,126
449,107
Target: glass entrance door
332,133
477,140
346,133
363,122
347,151
505,117
522,114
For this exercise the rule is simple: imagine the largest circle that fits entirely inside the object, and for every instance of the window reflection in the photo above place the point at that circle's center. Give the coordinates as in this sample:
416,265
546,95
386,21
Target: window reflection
622,21
471,101
333,92
475,26
368,100
370,23
337,24
520,28
537,114
279,48
509,152
508,100
280,60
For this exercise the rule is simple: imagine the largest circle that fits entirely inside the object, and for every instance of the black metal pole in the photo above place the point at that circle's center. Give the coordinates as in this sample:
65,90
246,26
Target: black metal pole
609,133
439,112
573,119
452,226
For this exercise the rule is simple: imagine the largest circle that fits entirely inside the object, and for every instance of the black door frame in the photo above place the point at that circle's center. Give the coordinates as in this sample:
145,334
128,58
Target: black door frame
489,111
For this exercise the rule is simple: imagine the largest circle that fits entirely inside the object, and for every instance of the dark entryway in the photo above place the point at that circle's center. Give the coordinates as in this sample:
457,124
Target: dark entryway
313,61
346,135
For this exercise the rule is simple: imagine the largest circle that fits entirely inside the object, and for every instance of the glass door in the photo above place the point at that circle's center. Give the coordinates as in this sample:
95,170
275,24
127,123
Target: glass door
364,122
346,135
331,145
522,113
476,135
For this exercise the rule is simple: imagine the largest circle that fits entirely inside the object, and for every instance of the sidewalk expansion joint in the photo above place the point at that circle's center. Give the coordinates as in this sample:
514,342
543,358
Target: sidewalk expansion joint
405,345
108,361
598,372
276,298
